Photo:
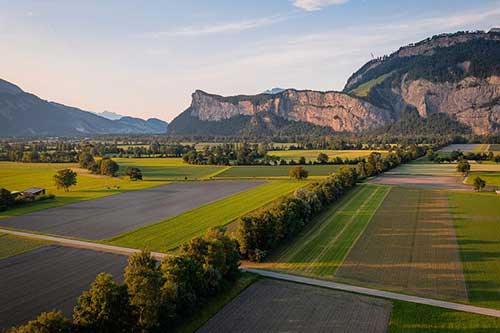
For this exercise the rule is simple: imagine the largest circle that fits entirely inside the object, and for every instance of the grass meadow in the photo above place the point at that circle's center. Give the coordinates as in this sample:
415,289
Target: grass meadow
278,171
20,176
311,155
12,245
320,250
169,234
477,226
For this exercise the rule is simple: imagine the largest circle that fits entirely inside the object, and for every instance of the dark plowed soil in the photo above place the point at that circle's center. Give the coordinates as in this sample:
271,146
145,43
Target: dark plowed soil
278,306
110,216
51,277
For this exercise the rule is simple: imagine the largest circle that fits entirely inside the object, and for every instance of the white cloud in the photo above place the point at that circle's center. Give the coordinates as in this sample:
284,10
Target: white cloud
227,27
313,5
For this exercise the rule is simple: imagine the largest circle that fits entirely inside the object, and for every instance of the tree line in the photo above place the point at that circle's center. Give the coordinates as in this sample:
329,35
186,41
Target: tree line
155,297
260,232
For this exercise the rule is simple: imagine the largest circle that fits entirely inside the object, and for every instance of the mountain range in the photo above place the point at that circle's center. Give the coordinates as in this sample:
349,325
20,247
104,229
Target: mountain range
24,114
449,83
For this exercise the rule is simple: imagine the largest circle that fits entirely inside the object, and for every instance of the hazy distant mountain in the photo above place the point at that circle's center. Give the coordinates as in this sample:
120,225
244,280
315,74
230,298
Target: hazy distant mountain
274,91
24,114
109,115
449,83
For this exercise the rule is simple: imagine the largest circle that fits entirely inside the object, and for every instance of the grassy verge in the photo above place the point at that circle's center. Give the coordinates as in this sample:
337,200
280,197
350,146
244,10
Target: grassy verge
320,250
169,234
11,245
215,305
477,226
417,318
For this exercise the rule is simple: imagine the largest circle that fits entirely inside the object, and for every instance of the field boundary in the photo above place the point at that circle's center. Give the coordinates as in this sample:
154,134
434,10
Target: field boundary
82,244
377,293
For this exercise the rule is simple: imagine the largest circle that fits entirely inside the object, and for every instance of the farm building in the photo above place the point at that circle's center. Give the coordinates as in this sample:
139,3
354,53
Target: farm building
33,192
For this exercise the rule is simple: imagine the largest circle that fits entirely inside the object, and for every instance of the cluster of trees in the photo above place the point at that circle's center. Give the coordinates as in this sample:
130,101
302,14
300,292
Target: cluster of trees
154,297
260,232
7,200
458,155
37,152
104,166
239,154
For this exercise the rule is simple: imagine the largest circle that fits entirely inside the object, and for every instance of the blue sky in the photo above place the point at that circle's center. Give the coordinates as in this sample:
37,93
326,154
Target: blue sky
145,58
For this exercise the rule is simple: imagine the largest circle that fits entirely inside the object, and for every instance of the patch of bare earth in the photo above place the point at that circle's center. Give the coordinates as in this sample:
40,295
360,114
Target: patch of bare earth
437,182
278,306
409,246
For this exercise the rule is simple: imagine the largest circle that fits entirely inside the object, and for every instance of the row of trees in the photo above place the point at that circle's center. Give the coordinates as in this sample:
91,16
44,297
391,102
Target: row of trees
458,155
239,154
154,297
260,232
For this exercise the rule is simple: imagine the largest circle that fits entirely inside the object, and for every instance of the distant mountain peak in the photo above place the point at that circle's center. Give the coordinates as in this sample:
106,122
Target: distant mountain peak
274,91
110,115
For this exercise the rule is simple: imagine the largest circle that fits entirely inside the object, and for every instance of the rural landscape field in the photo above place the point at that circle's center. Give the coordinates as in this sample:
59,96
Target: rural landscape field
218,166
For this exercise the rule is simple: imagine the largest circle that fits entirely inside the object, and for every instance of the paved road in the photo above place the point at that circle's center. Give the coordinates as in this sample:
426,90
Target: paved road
82,244
113,215
377,293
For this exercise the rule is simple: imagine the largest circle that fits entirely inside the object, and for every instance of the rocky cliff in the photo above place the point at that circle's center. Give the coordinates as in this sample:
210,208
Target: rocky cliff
454,75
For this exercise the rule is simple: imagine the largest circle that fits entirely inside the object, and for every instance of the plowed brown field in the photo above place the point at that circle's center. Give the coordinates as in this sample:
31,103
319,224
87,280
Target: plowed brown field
278,306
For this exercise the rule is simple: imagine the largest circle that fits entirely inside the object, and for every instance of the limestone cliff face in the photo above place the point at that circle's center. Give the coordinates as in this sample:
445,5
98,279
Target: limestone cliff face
472,101
338,111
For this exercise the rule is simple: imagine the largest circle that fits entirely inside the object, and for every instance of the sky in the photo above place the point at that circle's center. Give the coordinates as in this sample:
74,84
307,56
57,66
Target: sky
146,58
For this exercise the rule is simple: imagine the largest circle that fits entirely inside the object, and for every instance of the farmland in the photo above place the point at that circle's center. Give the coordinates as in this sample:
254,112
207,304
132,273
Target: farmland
166,169
477,223
318,251
311,155
169,234
10,245
476,148
49,277
409,246
270,305
20,176
110,216
279,171
427,169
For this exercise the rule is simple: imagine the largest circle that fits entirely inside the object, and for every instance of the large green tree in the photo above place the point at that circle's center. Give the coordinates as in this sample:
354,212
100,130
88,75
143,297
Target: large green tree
298,173
65,178
144,282
108,167
105,307
479,184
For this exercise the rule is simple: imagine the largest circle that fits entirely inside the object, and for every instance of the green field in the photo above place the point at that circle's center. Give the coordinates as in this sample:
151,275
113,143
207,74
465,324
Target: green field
11,245
417,318
477,224
311,155
364,89
492,178
319,251
278,171
20,176
164,169
169,234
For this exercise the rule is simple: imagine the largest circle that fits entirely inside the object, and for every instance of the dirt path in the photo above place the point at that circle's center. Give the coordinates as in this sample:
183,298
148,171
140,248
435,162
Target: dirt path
378,293
82,244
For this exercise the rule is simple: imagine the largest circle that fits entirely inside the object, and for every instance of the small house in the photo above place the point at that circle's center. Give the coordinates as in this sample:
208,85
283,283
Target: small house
33,192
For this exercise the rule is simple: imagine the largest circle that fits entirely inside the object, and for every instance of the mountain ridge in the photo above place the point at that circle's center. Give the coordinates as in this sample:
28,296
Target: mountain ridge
456,75
25,114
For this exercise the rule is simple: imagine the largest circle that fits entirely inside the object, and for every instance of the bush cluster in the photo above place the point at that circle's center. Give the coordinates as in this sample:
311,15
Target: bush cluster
7,200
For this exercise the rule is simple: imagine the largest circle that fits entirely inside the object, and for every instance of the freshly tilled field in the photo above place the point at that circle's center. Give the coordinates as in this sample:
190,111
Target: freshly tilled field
409,246
278,306
50,277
